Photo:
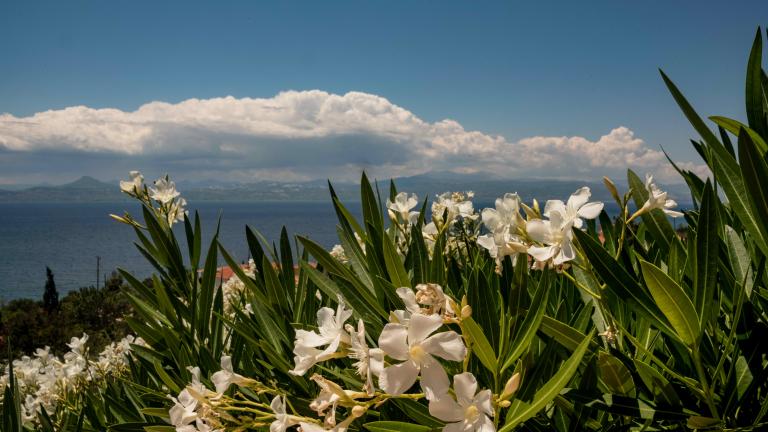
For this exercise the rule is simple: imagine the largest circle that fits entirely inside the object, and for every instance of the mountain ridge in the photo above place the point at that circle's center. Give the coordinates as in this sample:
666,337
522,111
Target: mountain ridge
88,189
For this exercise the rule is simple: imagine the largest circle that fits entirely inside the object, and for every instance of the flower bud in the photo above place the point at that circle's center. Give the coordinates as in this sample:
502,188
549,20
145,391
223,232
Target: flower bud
611,186
512,385
358,411
466,311
505,404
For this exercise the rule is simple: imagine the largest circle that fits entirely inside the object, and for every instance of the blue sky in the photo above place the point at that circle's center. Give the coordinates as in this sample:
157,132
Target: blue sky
513,70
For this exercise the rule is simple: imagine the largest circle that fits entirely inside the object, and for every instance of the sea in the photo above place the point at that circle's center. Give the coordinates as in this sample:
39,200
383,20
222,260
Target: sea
70,238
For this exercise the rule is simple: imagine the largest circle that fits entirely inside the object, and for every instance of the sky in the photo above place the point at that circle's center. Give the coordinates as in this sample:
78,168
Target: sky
301,90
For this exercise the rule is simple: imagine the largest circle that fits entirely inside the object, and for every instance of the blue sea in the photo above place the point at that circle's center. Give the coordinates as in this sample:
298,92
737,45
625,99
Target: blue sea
67,237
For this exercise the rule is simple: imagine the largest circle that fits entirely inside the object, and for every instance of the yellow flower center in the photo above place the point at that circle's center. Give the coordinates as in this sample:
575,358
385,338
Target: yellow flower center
471,413
417,353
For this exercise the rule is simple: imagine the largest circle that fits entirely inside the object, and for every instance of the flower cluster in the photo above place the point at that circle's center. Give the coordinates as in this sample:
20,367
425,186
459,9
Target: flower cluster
511,227
413,346
45,380
419,344
453,213
233,288
162,197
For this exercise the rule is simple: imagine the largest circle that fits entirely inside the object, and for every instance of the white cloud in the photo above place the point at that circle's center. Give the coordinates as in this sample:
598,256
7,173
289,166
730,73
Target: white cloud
314,134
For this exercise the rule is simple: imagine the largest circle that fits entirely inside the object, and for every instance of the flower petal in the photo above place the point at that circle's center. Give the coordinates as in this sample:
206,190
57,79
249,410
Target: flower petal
591,210
393,341
447,345
482,400
542,253
491,218
486,425
396,379
420,327
579,198
465,386
556,206
539,230
566,253
434,380
456,427
309,339
409,298
446,409
488,242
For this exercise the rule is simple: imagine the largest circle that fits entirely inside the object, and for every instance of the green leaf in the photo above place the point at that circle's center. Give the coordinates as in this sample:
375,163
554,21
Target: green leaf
673,302
395,426
754,87
625,406
725,168
531,323
364,295
418,412
706,261
395,268
739,260
620,283
755,172
615,375
521,411
480,345
562,333
371,210
659,386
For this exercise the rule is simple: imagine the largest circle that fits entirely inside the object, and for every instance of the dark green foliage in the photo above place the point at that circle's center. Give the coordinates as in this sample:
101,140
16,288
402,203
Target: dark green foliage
50,295
99,312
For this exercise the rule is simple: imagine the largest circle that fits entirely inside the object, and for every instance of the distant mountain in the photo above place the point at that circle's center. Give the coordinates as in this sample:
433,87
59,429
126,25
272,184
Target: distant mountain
86,182
486,189
84,189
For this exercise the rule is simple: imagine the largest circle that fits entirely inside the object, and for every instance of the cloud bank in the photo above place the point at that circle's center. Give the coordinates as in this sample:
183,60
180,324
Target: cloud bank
301,135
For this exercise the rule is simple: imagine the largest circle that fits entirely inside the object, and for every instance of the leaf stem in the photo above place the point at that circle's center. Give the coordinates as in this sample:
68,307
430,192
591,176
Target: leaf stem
704,383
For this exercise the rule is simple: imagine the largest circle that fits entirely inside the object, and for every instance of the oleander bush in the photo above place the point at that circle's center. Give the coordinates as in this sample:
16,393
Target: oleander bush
429,317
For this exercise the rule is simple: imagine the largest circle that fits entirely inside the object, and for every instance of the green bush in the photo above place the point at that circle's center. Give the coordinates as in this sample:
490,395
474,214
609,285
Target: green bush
100,313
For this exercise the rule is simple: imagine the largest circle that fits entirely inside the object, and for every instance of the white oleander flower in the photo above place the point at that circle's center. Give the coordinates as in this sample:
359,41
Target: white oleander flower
227,376
506,215
413,345
331,335
164,190
77,345
133,186
283,420
401,316
430,295
184,410
657,199
575,209
501,244
402,205
430,233
471,411
457,204
331,395
339,253
557,237
370,361
177,211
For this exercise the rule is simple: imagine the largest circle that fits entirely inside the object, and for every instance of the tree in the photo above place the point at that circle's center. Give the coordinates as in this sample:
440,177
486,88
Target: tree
51,295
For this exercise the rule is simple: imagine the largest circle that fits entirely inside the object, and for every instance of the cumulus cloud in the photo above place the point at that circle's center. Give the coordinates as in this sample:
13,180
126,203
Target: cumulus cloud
300,135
